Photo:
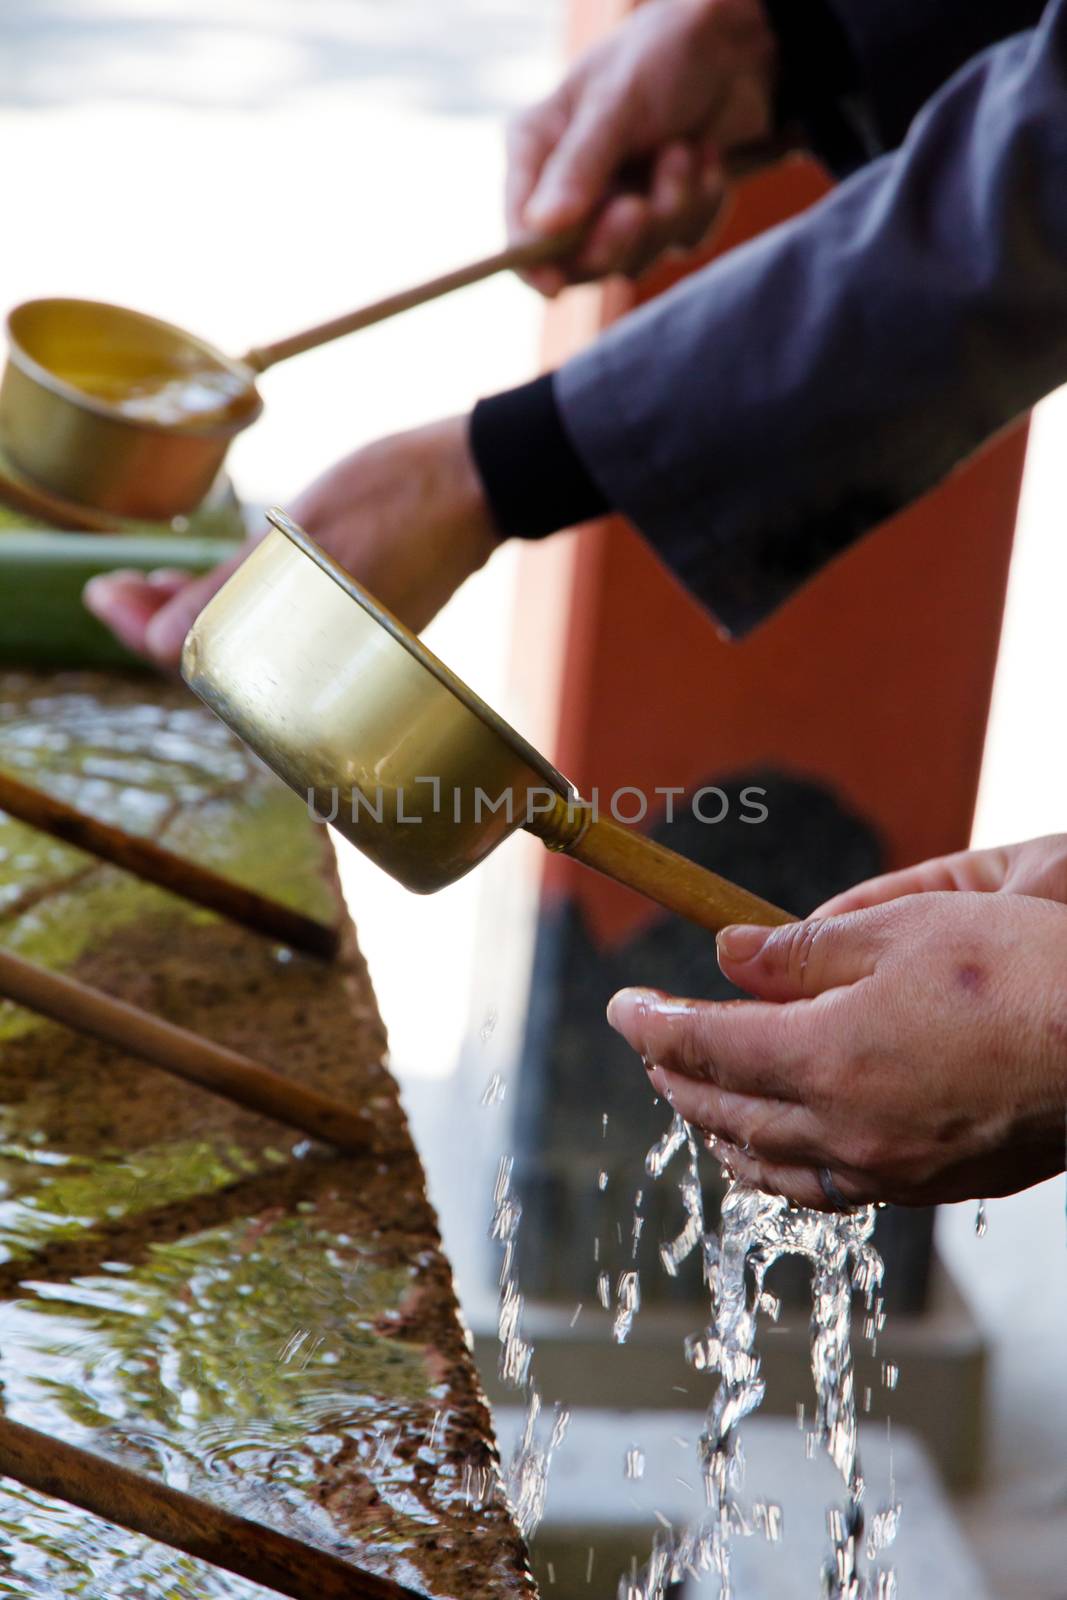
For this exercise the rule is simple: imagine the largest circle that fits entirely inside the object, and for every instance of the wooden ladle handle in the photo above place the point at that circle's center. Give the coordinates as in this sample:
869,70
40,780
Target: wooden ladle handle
661,875
184,1054
670,880
516,258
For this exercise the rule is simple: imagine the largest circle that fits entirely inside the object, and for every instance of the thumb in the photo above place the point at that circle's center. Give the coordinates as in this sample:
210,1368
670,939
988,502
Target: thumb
574,180
799,960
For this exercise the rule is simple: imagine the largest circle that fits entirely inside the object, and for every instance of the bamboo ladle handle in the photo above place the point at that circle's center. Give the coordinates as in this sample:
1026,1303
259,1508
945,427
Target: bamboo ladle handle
146,1505
175,873
184,1054
520,257
516,258
661,875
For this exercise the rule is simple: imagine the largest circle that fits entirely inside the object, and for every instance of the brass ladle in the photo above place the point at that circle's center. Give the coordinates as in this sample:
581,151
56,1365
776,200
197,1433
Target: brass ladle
75,365
358,716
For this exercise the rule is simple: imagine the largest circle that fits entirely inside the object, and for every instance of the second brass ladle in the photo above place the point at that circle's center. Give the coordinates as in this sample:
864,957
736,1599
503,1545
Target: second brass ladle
353,711
80,444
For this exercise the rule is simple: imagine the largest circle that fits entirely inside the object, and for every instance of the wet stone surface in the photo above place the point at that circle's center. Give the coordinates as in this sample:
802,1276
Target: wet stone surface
185,1287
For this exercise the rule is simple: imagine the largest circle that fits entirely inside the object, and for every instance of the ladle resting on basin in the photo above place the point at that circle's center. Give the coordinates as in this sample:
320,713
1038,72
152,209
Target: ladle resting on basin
355,714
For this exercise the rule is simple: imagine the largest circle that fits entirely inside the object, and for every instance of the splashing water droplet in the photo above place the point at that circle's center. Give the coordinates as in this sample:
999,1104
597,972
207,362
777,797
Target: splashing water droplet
527,1476
981,1221
883,1530
602,1181
485,1032
515,1353
768,1520
526,1482
628,1296
603,1290
494,1091
664,1150
634,1464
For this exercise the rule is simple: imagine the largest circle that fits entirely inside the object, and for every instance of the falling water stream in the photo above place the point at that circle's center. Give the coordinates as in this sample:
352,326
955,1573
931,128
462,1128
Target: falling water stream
526,1480
755,1231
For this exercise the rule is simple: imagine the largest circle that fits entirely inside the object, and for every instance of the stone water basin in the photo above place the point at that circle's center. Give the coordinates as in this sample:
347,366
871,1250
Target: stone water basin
185,1287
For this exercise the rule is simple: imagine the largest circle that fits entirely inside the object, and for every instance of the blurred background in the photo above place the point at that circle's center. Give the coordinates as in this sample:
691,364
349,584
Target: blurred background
246,167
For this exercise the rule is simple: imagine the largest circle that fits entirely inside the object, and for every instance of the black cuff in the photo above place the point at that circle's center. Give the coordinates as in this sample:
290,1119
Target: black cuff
819,83
533,477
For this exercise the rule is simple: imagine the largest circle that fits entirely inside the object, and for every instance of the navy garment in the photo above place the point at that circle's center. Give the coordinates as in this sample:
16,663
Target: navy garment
765,413
904,50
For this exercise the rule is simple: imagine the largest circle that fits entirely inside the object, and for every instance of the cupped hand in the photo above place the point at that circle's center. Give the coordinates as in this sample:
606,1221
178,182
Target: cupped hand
915,1050
406,516
636,134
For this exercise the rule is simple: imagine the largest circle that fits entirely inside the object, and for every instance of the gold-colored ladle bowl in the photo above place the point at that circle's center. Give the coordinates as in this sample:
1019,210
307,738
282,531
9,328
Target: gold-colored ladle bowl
123,414
360,719
75,367
127,415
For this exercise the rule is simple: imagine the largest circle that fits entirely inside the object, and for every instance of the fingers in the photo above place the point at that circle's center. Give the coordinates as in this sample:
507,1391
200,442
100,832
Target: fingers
737,1044
574,162
977,871
151,614
768,1129
633,229
618,238
687,191
530,139
676,210
564,165
577,172
166,632
126,601
800,1185
802,959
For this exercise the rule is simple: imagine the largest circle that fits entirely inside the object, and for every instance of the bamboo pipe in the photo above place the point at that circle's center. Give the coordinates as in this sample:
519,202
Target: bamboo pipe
661,875
172,872
186,1055
144,1505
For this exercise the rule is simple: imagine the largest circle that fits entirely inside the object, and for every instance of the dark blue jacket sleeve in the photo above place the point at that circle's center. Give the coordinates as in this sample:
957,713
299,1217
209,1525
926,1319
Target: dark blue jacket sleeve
765,413
902,51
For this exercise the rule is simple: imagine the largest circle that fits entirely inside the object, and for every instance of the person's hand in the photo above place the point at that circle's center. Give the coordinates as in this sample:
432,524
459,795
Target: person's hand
669,92
1037,867
913,1052
406,516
